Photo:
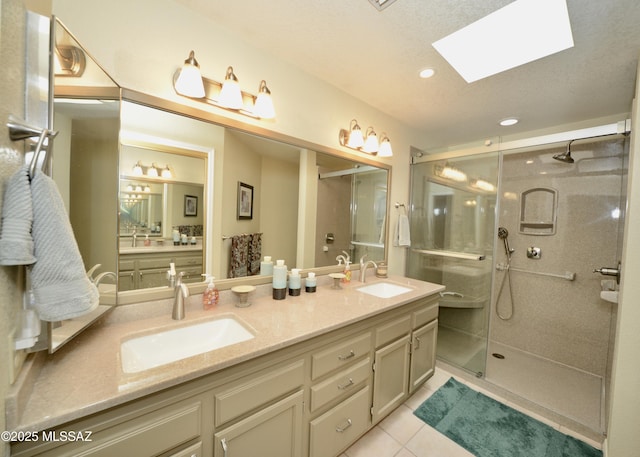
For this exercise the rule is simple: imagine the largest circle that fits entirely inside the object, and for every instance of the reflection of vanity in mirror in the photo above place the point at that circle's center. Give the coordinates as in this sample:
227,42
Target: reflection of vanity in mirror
309,203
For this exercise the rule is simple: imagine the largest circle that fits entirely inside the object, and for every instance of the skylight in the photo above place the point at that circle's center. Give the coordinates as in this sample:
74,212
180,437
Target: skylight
519,33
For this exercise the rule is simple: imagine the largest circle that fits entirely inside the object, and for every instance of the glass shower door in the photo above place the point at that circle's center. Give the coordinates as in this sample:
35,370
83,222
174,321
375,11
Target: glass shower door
453,214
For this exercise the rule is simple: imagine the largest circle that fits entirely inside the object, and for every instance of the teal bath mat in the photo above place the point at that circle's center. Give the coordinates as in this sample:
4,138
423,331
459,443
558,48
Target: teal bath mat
488,428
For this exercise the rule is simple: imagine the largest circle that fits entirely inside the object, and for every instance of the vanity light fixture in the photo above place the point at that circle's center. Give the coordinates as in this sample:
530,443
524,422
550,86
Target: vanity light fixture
166,172
189,82
137,169
371,145
481,184
152,171
449,172
354,139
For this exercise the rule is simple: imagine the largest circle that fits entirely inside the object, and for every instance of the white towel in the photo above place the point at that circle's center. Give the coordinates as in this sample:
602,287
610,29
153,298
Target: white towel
402,237
16,243
61,288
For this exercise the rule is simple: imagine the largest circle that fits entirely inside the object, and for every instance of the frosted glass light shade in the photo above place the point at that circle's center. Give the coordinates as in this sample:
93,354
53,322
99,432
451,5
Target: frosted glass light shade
152,171
189,82
385,148
263,107
356,140
230,94
371,145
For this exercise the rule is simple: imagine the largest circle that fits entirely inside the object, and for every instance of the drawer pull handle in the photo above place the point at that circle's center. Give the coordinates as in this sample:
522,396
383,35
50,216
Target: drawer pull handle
346,385
225,448
350,355
417,343
344,427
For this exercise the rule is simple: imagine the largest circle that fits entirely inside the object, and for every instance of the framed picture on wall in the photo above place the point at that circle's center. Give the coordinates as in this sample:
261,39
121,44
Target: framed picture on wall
190,205
245,201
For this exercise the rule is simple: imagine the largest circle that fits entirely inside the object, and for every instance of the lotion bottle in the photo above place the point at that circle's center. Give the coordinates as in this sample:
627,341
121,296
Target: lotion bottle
266,266
211,295
310,283
294,282
279,280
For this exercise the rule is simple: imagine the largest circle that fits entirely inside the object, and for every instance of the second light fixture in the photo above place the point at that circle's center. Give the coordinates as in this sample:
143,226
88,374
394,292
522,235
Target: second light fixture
189,82
354,139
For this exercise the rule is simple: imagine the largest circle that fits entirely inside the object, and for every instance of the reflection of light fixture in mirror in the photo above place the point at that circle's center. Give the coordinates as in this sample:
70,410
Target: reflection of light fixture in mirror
68,61
166,172
138,189
385,147
147,188
371,143
189,82
449,172
152,172
354,139
483,185
227,95
129,188
137,169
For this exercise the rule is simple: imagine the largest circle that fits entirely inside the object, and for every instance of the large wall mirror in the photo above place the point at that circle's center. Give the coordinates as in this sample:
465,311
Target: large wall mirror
180,187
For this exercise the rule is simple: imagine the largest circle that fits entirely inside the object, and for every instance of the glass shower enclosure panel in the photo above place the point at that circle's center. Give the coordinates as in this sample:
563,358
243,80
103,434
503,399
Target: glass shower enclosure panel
453,217
368,214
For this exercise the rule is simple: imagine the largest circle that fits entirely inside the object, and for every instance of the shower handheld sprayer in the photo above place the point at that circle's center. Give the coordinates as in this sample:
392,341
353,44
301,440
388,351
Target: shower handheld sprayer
503,234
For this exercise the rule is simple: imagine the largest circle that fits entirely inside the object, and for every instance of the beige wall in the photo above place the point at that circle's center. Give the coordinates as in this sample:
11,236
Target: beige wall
623,437
12,25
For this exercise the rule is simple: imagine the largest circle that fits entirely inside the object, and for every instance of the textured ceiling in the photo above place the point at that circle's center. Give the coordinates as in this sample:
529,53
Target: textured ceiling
595,78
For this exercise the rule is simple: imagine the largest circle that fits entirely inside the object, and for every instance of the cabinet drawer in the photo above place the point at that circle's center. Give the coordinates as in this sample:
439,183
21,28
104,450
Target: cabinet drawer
425,314
340,355
257,391
393,330
127,265
340,384
195,450
188,261
154,262
333,431
149,435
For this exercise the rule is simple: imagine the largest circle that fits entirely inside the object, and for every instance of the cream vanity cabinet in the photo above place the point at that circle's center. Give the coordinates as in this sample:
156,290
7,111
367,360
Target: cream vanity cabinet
312,399
144,270
405,356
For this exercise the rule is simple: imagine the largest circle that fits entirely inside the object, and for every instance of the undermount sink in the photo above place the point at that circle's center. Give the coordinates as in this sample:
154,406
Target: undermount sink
384,289
156,349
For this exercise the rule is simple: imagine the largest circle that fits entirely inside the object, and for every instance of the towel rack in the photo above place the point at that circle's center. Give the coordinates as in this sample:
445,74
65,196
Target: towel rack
228,237
20,130
453,254
569,276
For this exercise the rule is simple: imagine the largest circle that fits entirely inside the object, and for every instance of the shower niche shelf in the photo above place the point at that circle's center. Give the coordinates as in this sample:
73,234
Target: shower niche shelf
538,211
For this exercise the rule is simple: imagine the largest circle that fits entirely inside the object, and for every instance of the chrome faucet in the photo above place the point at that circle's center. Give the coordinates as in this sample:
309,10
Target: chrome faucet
181,291
363,267
134,238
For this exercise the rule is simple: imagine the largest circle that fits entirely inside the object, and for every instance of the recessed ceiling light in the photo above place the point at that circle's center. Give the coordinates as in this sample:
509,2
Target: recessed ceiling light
427,73
521,32
509,121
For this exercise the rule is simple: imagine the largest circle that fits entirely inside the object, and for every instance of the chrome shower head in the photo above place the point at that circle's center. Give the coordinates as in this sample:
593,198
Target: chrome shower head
503,234
566,155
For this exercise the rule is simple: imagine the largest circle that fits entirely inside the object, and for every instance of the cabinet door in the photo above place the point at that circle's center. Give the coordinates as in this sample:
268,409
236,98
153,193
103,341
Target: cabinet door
423,354
390,377
152,278
274,431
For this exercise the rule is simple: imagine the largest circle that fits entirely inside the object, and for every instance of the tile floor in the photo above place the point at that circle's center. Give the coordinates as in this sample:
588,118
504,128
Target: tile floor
401,434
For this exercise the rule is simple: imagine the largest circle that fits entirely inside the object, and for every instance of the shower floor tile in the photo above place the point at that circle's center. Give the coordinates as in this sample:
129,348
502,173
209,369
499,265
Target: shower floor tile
572,393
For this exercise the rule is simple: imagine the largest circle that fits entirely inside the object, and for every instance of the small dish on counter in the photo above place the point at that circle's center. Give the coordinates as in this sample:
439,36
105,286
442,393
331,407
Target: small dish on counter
243,293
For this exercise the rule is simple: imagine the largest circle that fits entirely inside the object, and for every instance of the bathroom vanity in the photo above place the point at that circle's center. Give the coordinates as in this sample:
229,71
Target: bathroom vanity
320,370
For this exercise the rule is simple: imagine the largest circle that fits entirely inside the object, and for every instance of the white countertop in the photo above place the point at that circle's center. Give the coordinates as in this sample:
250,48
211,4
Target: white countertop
85,376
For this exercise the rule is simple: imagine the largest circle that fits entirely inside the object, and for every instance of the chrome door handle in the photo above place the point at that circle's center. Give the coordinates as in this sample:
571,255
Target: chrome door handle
350,355
225,448
344,427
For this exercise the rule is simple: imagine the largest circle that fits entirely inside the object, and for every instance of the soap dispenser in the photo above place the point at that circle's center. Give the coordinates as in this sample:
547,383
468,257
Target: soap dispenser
279,280
347,272
211,295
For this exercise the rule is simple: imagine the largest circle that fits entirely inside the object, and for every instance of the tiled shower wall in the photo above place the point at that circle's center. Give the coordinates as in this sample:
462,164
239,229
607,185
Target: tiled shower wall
565,321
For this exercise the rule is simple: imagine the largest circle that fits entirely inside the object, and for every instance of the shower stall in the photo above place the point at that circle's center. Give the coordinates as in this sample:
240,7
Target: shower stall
515,236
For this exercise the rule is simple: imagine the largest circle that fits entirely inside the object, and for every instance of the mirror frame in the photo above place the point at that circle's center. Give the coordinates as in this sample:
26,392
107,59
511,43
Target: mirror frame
128,95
